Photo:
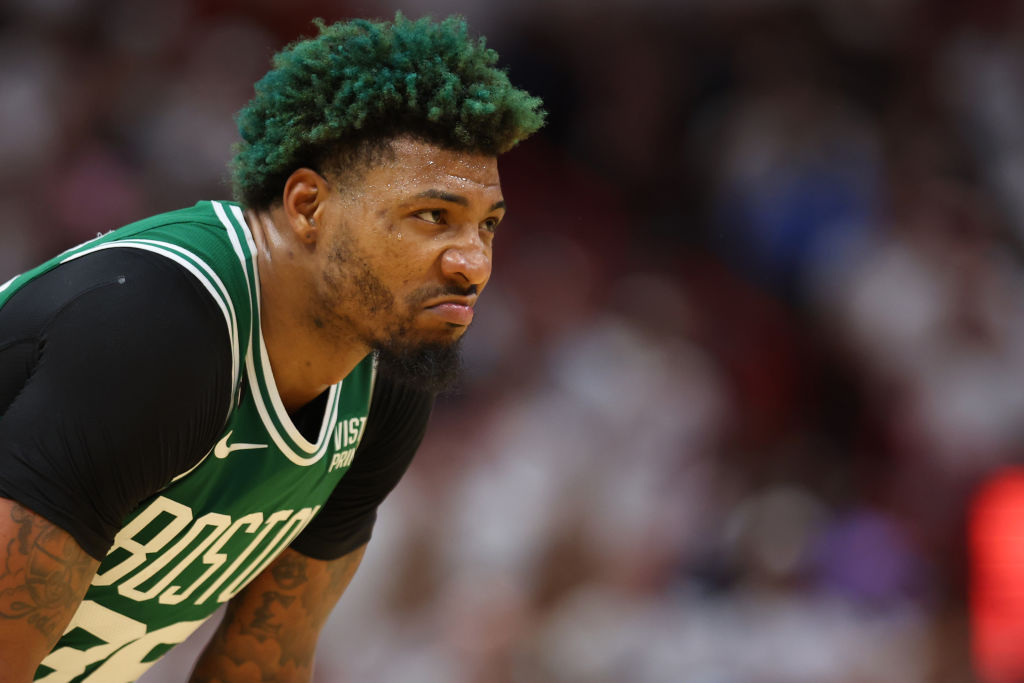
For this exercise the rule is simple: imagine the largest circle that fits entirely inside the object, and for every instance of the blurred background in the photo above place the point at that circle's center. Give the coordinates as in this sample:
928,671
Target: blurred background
746,394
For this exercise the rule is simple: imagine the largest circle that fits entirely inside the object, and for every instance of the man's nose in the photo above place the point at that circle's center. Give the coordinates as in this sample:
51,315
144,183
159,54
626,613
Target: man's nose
468,261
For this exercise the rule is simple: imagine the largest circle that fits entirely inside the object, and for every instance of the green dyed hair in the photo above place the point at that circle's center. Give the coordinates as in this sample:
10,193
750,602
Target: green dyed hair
362,83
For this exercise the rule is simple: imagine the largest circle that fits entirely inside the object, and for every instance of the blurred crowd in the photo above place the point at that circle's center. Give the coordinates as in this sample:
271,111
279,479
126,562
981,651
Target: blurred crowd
754,337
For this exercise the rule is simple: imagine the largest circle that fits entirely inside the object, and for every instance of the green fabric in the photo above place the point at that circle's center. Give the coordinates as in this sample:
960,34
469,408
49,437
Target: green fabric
195,544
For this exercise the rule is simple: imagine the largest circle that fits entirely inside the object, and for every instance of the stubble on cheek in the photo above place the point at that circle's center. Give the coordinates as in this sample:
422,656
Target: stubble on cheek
349,290
374,294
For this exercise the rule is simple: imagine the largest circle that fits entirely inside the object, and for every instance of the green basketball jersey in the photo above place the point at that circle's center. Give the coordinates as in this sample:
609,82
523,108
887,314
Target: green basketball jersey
196,543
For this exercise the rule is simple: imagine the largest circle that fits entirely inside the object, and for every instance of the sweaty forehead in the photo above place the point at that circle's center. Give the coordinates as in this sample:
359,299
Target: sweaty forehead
416,162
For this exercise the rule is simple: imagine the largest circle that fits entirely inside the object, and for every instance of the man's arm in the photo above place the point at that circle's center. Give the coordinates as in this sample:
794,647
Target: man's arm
115,377
105,396
43,575
270,629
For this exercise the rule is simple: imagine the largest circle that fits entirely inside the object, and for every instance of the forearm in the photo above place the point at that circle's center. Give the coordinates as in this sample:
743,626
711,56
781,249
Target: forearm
270,629
43,576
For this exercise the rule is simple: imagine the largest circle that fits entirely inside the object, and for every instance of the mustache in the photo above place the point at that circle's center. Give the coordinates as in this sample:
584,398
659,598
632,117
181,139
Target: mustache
432,292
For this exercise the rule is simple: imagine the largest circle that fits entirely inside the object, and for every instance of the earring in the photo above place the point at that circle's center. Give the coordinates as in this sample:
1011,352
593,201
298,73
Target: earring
312,222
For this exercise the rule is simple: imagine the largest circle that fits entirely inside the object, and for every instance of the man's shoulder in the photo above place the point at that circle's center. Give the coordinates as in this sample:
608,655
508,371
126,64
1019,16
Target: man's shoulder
206,212
210,240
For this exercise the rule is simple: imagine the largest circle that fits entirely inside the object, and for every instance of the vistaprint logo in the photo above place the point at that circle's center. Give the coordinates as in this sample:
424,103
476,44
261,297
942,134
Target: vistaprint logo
347,434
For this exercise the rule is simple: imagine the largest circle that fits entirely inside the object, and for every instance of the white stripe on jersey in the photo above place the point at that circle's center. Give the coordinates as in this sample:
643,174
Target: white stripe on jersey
310,453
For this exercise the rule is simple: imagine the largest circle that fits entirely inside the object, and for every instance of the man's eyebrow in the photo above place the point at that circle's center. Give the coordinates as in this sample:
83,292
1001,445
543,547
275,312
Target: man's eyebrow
444,197
456,199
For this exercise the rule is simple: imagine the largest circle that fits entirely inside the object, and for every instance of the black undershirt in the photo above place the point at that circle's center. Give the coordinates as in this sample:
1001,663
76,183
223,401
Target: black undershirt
115,377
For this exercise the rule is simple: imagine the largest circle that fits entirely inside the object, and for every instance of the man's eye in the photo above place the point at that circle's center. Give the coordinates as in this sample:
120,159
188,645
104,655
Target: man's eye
431,215
490,225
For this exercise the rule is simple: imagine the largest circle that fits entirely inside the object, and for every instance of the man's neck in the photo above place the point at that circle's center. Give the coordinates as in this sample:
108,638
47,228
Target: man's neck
305,361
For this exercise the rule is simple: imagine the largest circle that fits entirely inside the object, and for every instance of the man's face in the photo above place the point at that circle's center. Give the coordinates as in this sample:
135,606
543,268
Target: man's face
406,252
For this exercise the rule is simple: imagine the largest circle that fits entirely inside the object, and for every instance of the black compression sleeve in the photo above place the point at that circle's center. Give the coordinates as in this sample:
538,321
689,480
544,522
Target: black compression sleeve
395,427
115,376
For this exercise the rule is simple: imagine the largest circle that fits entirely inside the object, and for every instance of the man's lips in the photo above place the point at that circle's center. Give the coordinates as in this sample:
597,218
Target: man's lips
457,311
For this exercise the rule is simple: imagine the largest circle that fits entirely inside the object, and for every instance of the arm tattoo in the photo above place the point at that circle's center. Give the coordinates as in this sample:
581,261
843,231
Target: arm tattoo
290,571
264,623
45,572
270,630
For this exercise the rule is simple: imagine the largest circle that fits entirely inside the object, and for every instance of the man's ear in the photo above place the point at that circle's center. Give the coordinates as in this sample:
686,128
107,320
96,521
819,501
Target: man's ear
305,191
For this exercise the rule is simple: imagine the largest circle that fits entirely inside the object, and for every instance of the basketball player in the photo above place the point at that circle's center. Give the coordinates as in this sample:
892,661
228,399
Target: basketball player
207,406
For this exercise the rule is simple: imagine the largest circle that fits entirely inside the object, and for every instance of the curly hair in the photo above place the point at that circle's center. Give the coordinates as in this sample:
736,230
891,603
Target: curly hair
338,95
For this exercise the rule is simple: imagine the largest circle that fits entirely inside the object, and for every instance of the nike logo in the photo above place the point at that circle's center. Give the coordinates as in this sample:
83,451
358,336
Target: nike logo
223,450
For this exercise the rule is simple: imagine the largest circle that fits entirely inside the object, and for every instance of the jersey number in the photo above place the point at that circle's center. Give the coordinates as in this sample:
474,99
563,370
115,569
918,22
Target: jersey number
124,641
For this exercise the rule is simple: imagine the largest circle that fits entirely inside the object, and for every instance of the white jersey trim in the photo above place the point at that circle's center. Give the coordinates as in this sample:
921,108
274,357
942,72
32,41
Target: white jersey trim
282,413
243,258
315,451
261,377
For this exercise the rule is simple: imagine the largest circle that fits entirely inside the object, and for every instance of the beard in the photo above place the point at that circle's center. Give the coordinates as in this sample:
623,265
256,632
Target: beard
426,365
431,367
